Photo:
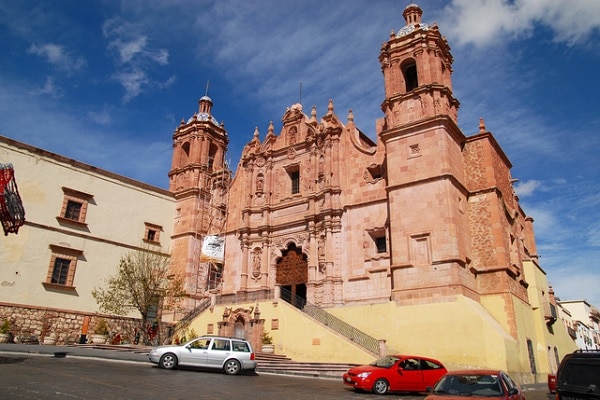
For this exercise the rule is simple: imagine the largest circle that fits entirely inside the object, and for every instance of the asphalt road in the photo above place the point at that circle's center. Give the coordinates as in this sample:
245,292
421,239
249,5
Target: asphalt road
44,373
41,377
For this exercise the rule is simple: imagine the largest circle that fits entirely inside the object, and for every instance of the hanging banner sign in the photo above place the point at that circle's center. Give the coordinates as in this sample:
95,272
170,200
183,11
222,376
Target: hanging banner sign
213,249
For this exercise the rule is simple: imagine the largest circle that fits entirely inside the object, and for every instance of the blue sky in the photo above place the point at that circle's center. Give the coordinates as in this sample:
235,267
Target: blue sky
107,82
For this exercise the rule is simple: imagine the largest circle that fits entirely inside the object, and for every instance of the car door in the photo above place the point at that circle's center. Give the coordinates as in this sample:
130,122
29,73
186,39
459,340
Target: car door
510,384
407,376
195,353
432,372
219,351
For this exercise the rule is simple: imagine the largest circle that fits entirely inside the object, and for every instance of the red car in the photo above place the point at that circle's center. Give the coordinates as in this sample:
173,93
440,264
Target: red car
476,384
395,373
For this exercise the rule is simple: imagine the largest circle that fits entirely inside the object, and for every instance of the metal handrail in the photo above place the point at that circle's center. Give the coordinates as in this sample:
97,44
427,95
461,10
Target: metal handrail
359,337
187,319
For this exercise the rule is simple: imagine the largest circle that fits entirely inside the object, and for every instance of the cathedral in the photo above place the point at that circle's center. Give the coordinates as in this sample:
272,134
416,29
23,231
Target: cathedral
418,235
336,246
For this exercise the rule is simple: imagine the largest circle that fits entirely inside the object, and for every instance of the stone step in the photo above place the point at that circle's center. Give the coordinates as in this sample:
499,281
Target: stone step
280,364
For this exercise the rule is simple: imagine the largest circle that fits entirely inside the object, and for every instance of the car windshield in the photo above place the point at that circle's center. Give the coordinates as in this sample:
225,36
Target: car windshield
469,385
385,362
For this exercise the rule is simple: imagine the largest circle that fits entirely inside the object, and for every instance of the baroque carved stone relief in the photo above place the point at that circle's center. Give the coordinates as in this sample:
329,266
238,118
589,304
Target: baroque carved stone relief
256,263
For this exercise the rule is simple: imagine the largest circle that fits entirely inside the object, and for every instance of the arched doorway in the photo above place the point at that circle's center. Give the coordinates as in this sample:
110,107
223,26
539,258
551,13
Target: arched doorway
292,275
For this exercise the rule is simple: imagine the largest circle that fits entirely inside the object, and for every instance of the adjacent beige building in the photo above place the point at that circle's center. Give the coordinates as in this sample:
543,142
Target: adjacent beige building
79,221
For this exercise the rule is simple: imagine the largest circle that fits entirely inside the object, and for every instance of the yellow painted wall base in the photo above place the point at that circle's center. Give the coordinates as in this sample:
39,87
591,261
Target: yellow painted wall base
461,334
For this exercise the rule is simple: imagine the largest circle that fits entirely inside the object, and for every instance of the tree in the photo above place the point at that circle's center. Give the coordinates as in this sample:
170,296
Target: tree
144,282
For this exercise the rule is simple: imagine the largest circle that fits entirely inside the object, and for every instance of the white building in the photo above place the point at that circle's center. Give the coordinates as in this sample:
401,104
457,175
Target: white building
586,322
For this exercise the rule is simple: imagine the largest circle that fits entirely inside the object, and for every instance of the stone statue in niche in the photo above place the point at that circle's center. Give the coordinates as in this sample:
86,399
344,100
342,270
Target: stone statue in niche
256,261
321,181
292,135
276,184
321,248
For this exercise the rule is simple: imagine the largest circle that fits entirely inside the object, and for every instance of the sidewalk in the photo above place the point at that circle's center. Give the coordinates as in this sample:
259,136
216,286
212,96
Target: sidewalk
111,352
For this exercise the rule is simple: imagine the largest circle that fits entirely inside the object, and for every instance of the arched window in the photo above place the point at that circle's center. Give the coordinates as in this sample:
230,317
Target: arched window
185,155
212,153
409,69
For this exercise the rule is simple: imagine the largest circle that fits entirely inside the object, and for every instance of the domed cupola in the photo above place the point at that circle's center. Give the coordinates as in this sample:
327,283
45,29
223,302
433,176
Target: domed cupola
204,111
412,14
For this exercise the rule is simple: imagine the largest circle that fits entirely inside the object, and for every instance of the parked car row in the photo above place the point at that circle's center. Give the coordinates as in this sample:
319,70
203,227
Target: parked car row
402,373
578,376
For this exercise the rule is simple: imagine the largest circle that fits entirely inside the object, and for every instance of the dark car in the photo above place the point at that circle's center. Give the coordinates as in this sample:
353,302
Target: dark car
578,376
476,384
395,373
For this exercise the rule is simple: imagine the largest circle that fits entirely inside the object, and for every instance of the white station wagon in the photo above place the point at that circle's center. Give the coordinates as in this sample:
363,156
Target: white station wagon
232,355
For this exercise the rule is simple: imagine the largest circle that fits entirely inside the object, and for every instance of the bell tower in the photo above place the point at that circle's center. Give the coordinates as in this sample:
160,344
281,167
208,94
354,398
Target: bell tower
199,148
417,64
429,231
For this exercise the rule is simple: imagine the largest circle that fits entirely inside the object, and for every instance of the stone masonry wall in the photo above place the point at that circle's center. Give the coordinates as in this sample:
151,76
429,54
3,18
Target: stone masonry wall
29,324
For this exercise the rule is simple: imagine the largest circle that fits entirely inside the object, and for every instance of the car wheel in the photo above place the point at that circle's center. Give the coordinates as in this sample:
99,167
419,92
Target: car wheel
232,367
380,386
168,361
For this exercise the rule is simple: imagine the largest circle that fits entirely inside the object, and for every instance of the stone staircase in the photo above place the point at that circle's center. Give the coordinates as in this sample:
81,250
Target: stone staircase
267,363
281,364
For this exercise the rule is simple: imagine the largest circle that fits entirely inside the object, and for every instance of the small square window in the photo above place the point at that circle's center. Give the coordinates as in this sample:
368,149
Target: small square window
61,271
152,233
295,182
294,174
73,210
74,207
379,243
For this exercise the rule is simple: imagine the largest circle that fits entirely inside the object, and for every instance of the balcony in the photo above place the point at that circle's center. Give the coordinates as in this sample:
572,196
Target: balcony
550,313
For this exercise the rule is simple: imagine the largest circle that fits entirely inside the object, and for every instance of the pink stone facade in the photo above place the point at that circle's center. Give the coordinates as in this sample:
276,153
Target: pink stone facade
419,215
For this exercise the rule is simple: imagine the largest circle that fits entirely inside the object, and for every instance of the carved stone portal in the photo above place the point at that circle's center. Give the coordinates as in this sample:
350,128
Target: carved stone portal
292,275
243,323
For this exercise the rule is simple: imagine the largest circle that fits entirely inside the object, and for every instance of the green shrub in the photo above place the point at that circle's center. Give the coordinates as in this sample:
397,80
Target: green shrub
5,327
266,338
102,328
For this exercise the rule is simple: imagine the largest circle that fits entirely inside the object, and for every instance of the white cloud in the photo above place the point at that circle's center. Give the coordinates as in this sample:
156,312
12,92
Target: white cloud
132,81
161,56
101,118
571,23
573,282
129,49
49,88
135,58
62,126
58,56
527,188
594,236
